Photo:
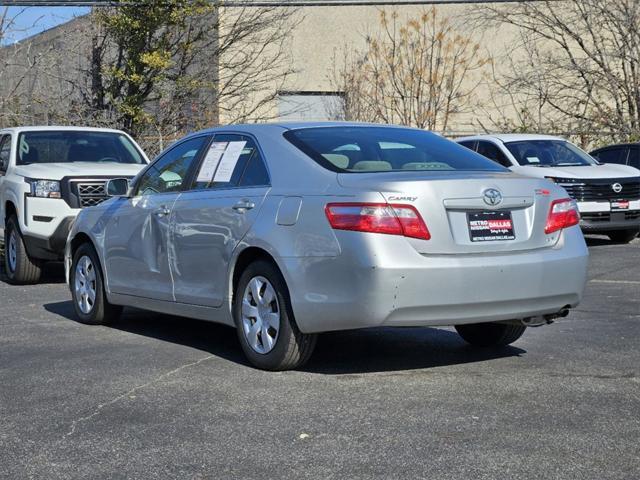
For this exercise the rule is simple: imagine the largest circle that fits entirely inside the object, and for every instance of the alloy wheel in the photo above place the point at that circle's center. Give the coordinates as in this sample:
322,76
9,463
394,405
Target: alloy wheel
85,284
260,315
12,251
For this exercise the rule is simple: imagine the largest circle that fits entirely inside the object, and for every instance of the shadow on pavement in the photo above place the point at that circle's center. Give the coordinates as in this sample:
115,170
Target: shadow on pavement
350,352
394,349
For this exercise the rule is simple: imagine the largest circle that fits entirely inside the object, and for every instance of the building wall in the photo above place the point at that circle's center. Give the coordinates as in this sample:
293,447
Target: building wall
325,33
320,37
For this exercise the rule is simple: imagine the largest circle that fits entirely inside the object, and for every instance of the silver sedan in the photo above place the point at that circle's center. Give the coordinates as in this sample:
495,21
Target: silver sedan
288,230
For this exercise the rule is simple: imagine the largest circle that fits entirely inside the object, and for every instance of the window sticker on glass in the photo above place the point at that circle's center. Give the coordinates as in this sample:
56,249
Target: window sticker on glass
228,161
211,161
533,160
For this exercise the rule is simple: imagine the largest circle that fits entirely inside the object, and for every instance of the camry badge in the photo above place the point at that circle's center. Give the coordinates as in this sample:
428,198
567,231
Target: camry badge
492,197
616,187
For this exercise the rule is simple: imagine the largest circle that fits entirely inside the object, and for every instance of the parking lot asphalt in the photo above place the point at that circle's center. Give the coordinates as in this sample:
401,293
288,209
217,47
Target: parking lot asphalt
154,396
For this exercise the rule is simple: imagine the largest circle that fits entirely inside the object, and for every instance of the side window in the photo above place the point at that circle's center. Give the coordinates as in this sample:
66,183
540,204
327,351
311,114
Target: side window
255,175
634,157
494,153
5,152
170,171
232,160
613,155
470,144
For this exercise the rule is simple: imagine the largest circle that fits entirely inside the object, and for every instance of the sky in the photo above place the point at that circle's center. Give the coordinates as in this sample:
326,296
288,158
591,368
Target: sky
32,20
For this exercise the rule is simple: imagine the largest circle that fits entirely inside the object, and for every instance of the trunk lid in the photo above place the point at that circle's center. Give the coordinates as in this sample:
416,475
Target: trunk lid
446,199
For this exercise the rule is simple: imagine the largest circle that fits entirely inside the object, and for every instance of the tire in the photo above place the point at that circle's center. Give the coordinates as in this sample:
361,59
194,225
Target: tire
20,268
490,334
87,289
623,236
276,347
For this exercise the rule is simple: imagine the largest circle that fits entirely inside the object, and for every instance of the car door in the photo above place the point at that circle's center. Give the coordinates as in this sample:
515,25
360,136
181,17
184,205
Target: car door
5,154
137,230
212,218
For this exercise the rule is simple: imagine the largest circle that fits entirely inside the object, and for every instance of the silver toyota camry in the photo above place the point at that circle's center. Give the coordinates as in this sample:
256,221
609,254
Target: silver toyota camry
288,230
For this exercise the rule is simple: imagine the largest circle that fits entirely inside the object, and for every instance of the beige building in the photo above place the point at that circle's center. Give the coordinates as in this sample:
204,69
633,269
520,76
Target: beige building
321,37
327,31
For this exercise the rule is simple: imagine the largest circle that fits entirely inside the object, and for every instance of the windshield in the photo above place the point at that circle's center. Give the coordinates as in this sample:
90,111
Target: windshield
76,146
549,153
362,149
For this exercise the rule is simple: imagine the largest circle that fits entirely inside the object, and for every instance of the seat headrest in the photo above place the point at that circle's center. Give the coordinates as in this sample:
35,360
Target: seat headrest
340,161
372,165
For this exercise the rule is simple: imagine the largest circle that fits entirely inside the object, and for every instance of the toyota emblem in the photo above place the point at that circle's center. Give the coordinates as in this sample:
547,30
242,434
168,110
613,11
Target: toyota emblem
616,187
492,197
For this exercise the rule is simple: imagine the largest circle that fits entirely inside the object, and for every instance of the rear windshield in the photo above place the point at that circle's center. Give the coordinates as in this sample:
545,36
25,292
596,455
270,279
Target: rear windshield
382,149
549,153
76,146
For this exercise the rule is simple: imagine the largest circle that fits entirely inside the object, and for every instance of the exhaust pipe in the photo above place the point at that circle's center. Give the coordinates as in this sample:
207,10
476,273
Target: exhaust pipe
545,319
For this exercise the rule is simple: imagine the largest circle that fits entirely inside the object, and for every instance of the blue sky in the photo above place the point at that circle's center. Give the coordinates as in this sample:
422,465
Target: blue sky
32,20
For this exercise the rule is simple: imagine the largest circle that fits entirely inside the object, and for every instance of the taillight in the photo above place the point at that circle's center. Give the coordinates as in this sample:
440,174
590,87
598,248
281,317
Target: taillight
391,219
562,214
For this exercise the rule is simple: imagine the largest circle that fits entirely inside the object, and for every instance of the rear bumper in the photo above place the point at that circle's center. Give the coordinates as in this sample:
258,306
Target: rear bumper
400,287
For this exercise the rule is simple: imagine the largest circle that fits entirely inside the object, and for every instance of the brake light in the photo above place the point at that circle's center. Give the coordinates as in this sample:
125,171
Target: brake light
390,219
562,214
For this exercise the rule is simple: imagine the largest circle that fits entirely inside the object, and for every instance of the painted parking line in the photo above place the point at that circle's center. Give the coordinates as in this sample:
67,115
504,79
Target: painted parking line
627,282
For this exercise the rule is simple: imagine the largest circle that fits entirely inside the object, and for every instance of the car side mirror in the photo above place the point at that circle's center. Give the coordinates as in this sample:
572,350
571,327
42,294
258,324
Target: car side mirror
118,187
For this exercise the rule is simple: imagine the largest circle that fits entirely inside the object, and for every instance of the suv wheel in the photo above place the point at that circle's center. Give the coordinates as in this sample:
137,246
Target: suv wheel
87,289
623,236
490,334
264,320
21,269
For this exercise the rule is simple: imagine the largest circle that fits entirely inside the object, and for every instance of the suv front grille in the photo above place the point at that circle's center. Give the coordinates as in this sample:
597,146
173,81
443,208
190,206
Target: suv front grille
91,193
588,190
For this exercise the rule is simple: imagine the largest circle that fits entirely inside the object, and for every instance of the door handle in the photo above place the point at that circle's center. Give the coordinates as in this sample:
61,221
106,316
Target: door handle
163,211
243,205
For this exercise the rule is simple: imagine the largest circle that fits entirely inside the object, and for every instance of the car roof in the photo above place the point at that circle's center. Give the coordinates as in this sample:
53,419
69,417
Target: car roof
55,128
266,127
510,137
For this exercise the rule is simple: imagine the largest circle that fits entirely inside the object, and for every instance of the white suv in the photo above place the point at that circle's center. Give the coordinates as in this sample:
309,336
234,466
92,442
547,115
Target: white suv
47,174
608,195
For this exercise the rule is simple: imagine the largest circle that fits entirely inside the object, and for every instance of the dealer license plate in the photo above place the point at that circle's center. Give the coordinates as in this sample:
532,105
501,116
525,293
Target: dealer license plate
619,205
490,226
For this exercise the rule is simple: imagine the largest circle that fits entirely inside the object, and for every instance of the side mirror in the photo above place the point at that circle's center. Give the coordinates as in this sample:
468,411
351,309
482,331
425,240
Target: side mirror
118,187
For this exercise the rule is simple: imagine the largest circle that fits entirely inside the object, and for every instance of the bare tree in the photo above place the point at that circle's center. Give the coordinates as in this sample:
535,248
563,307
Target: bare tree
584,66
518,92
16,65
162,69
419,72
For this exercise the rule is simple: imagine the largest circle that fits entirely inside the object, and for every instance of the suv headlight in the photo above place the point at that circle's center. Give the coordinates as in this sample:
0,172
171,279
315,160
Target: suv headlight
45,188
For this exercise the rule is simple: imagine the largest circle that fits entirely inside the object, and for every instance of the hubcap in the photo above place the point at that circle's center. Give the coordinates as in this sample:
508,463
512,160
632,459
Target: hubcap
85,284
260,315
13,251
